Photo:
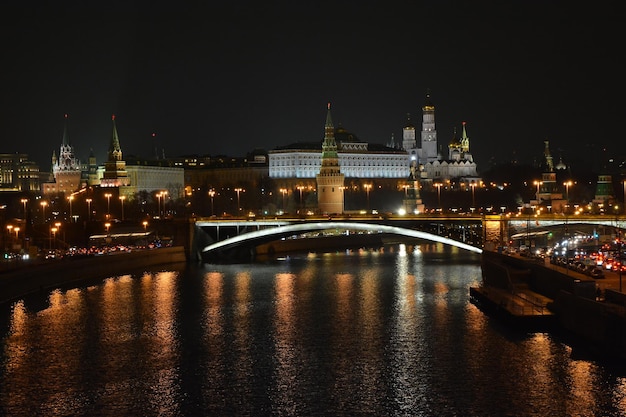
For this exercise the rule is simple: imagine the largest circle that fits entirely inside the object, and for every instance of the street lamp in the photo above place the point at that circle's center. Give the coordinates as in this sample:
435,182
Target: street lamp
283,191
9,229
567,184
88,208
107,226
145,225
538,184
53,231
300,188
212,195
24,201
238,190
438,185
70,198
43,208
108,196
367,188
473,187
158,196
122,198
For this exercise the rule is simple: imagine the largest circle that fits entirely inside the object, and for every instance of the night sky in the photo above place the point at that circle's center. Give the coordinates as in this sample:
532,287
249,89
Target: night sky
228,77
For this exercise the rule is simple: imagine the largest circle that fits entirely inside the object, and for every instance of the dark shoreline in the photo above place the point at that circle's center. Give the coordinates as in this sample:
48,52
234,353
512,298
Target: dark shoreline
37,278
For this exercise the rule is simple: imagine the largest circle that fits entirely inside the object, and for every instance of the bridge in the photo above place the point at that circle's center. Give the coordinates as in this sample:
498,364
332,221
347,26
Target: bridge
236,238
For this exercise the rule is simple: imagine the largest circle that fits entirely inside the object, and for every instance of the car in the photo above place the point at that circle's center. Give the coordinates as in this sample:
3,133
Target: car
596,272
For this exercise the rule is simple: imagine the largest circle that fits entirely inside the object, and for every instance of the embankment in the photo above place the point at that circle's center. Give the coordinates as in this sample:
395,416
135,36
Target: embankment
45,276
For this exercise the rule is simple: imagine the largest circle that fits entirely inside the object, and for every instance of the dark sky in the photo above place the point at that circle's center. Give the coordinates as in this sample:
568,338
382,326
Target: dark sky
227,77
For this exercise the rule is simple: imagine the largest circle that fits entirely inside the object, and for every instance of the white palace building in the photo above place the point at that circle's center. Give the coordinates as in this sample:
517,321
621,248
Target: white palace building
358,159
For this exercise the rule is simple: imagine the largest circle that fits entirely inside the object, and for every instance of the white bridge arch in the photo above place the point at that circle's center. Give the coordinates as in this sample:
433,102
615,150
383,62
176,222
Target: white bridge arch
289,229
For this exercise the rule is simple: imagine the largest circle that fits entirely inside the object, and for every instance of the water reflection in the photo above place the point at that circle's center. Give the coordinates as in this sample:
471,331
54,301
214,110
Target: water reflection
374,332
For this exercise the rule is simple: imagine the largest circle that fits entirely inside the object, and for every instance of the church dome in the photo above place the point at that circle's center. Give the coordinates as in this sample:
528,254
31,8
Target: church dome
561,165
342,135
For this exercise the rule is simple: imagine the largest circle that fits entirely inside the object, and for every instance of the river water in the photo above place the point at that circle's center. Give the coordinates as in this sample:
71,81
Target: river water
379,332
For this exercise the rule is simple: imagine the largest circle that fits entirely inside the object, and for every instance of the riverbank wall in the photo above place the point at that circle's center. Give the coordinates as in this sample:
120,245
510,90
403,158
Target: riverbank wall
45,276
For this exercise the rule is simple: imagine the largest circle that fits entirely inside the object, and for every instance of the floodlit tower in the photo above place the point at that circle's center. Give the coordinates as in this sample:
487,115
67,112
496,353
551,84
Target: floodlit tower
115,174
330,180
429,133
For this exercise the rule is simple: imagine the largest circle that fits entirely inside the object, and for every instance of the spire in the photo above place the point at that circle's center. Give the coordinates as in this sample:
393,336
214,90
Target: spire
65,141
464,140
115,151
428,102
329,120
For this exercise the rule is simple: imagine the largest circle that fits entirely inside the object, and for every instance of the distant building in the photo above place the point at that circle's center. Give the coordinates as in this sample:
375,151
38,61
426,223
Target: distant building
459,163
18,173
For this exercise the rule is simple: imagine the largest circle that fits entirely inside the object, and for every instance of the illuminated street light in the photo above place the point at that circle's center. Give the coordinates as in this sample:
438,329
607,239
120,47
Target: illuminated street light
473,187
24,201
283,191
212,195
158,196
122,198
88,208
538,184
53,231
107,226
238,190
300,188
567,184
367,188
438,185
145,225
43,208
70,198
108,196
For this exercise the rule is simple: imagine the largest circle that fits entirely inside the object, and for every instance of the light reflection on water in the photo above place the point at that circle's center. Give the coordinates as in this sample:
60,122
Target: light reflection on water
376,332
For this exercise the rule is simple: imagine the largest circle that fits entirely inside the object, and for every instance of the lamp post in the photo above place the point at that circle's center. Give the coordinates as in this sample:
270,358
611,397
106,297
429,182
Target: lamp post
567,184
438,185
163,195
108,196
367,188
24,201
107,226
300,188
53,234
624,202
158,196
283,191
88,208
70,198
538,184
473,187
122,198
238,190
9,229
43,209
145,225
212,195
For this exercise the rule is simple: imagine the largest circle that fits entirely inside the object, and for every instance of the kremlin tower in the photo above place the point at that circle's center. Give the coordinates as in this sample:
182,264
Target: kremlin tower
330,180
115,174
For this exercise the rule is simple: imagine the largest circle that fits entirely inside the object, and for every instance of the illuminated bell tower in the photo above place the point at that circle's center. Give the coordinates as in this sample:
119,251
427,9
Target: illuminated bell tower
408,135
429,133
330,180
